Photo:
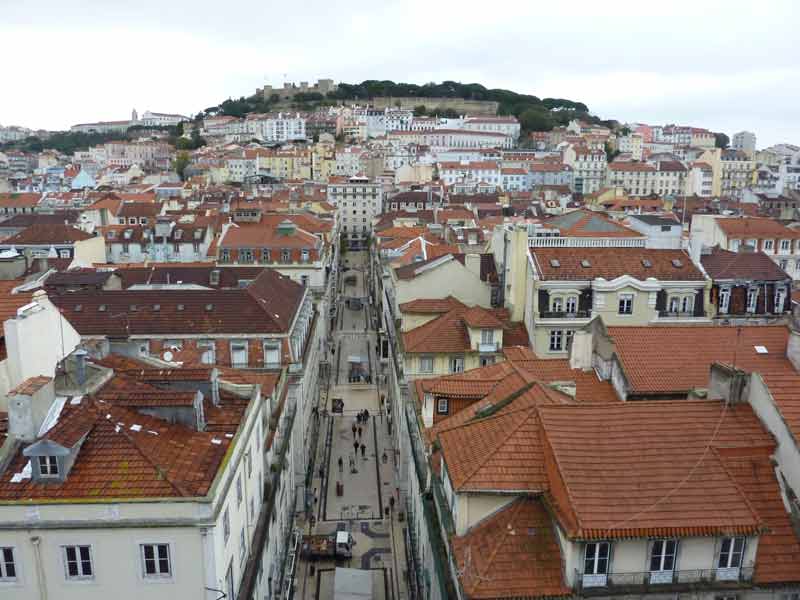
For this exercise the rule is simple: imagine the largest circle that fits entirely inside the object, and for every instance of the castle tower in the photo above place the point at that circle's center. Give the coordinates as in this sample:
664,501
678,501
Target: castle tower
134,116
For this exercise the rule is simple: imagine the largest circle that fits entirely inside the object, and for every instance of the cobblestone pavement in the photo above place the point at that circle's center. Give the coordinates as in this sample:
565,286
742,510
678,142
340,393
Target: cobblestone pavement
365,505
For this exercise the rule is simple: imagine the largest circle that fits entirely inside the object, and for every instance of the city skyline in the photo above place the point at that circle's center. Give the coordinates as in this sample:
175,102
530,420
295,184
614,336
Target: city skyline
679,64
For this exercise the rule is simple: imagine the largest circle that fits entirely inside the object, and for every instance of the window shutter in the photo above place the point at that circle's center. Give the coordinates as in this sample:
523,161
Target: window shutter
738,300
761,302
769,301
585,301
698,303
661,300
544,300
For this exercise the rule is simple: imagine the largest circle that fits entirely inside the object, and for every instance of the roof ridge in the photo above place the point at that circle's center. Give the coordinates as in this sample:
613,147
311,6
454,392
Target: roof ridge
516,506
753,511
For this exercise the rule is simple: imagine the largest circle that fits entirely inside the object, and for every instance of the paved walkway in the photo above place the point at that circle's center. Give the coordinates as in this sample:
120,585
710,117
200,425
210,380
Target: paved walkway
368,487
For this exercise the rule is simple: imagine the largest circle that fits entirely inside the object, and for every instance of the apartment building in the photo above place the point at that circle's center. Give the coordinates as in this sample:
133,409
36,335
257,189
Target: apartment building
737,234
744,141
625,286
487,171
588,168
506,125
276,127
358,201
443,139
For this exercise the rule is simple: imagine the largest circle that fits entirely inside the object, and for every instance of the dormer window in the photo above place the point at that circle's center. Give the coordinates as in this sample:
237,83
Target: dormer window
48,466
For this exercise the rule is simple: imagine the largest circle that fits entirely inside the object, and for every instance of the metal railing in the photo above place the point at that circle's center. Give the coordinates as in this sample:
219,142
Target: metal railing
562,314
671,314
657,579
585,242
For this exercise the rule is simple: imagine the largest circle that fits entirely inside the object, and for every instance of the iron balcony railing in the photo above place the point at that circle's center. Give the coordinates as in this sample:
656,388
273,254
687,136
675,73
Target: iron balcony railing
658,579
671,314
562,314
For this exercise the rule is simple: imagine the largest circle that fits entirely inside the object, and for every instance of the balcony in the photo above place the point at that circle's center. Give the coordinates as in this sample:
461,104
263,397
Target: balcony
488,347
562,314
733,577
668,314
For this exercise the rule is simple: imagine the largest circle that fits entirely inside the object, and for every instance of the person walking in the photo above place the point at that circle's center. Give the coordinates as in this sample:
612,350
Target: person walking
355,447
341,465
354,430
363,452
359,433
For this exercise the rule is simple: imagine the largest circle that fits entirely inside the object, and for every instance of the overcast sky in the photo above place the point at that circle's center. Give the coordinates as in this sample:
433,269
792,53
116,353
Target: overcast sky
727,65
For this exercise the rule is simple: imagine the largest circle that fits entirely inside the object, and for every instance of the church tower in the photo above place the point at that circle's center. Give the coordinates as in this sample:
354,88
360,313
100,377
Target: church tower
134,116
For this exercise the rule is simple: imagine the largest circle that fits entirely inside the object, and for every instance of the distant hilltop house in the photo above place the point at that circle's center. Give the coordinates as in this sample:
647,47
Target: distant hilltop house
149,119
290,90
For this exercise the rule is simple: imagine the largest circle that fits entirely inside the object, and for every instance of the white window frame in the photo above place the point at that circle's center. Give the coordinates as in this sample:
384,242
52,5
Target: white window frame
625,301
556,340
724,299
80,562
159,575
556,304
687,304
666,560
270,347
424,361
769,244
456,364
674,304
780,299
48,466
442,406
240,343
571,305
752,299
786,246
5,552
487,336
591,552
208,351
729,569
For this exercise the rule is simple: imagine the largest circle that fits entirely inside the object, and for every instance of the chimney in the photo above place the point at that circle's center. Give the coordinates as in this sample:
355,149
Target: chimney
729,384
581,349
28,405
80,366
215,387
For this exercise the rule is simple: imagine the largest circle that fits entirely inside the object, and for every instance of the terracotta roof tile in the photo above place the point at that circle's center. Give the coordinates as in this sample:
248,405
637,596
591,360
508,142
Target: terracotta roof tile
610,263
723,264
641,469
511,554
48,234
746,227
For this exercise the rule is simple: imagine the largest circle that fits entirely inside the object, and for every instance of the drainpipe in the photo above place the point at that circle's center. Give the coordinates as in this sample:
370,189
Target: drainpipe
40,576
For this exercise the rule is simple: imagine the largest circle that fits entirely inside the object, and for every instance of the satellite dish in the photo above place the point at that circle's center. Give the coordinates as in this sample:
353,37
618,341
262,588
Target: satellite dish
168,356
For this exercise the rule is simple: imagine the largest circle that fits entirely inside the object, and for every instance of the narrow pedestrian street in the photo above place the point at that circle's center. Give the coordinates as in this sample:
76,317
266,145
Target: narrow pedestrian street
354,483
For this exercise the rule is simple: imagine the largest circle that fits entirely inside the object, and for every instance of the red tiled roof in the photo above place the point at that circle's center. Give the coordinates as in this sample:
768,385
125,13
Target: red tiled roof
641,469
610,263
753,266
48,234
511,554
755,227
430,306
30,386
9,303
114,461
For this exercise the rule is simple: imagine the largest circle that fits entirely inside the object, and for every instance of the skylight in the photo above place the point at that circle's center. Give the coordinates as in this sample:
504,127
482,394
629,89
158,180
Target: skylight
646,263
554,263
761,349
677,263
585,264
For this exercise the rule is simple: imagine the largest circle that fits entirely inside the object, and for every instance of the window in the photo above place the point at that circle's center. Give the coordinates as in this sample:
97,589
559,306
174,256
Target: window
724,299
246,255
239,354
78,562
730,553
156,561
207,354
626,304
769,244
225,255
556,340
226,525
426,364
442,406
687,304
595,560
272,354
239,494
752,299
662,556
8,568
286,255
780,299
487,336
784,264
457,364
63,253
557,305
674,304
304,255
572,305
48,466
785,246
